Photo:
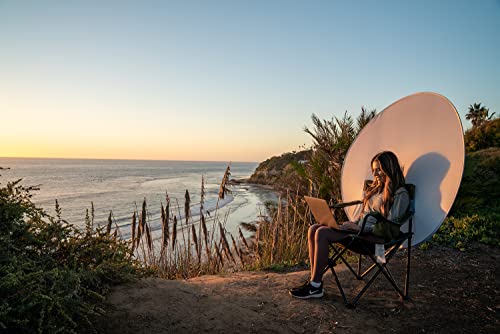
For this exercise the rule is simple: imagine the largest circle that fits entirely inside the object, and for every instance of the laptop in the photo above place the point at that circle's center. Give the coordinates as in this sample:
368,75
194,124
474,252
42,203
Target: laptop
321,212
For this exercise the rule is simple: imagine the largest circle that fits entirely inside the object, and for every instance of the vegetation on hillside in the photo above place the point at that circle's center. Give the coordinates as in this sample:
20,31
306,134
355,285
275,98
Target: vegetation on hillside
315,171
331,141
475,215
52,275
280,171
483,136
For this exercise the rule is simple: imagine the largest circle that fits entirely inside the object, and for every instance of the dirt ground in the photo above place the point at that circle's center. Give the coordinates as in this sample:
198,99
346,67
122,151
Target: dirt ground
451,292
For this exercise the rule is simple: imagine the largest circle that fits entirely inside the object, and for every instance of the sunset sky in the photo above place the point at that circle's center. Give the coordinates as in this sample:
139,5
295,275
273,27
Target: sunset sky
227,80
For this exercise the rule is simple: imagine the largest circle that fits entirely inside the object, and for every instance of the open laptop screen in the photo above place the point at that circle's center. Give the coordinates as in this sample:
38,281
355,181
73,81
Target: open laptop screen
321,211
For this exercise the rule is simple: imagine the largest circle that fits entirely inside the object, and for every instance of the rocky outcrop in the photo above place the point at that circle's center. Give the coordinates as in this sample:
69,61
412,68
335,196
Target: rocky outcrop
277,170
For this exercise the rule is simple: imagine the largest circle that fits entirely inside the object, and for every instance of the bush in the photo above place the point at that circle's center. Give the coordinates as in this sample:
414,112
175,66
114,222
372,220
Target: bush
475,215
480,186
283,172
483,136
458,232
52,275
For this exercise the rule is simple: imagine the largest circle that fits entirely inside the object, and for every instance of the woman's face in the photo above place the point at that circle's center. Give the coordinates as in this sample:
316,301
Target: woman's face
378,174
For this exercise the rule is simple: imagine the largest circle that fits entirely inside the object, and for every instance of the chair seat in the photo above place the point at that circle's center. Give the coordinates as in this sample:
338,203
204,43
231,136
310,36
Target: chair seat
365,243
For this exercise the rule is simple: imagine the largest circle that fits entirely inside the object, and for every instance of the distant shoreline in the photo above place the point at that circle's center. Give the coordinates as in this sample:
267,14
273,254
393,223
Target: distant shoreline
123,159
243,181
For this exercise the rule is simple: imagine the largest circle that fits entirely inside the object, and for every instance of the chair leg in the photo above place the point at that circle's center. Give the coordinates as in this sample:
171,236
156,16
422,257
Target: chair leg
339,286
407,280
361,293
381,268
339,255
387,252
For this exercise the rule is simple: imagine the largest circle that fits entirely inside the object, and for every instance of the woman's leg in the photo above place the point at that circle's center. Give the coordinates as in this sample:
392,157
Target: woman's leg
323,236
311,235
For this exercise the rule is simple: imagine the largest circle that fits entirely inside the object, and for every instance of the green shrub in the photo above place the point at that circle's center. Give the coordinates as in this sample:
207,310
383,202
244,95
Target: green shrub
475,215
52,275
480,186
483,136
458,232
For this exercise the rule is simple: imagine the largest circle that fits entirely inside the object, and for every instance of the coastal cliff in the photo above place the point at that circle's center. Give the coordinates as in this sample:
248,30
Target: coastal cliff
278,170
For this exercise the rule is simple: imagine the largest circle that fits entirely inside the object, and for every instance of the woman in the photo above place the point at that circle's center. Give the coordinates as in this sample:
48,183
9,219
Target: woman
386,195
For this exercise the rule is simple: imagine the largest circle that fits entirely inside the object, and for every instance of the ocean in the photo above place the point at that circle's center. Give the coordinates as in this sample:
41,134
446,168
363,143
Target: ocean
121,186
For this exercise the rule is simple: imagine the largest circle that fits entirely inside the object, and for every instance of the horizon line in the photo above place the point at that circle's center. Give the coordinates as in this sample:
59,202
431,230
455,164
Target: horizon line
125,159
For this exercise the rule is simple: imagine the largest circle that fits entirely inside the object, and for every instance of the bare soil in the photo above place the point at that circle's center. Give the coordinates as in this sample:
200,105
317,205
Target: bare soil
451,292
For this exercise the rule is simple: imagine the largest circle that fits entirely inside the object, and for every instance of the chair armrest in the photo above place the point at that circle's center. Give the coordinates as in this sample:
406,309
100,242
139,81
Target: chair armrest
379,217
343,205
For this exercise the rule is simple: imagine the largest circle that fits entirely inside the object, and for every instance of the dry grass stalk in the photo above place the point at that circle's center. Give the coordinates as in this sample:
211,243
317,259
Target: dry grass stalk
195,240
162,213
219,255
110,222
202,205
187,204
204,228
92,214
139,232
243,238
164,230
225,244
205,236
143,215
148,238
118,232
180,221
223,190
134,222
257,239
174,232
235,247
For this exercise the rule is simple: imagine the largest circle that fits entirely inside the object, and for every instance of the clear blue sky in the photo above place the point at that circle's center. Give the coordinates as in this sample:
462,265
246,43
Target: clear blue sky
227,80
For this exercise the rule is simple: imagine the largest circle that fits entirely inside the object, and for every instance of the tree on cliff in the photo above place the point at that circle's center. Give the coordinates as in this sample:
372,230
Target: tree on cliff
331,140
478,114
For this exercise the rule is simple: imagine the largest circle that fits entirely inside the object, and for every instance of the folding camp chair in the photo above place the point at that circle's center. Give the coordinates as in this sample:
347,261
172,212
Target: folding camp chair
364,245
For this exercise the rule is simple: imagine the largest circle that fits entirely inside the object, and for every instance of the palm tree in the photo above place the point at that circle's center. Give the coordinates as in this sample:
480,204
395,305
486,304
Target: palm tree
478,114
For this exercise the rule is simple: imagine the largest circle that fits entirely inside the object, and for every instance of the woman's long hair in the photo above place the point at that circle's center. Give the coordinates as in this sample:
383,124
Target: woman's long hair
394,179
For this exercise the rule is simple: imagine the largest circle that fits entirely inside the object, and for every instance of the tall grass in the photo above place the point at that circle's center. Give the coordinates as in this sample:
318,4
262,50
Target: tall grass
281,237
188,248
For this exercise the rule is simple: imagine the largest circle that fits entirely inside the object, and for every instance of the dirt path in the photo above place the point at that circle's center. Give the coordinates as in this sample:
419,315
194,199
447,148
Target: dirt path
451,291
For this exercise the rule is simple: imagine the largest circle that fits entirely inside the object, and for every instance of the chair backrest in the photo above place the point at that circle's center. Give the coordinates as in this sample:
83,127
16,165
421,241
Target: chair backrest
411,191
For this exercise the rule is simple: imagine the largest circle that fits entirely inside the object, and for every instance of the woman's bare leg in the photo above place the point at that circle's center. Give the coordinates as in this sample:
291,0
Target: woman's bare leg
323,236
311,243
